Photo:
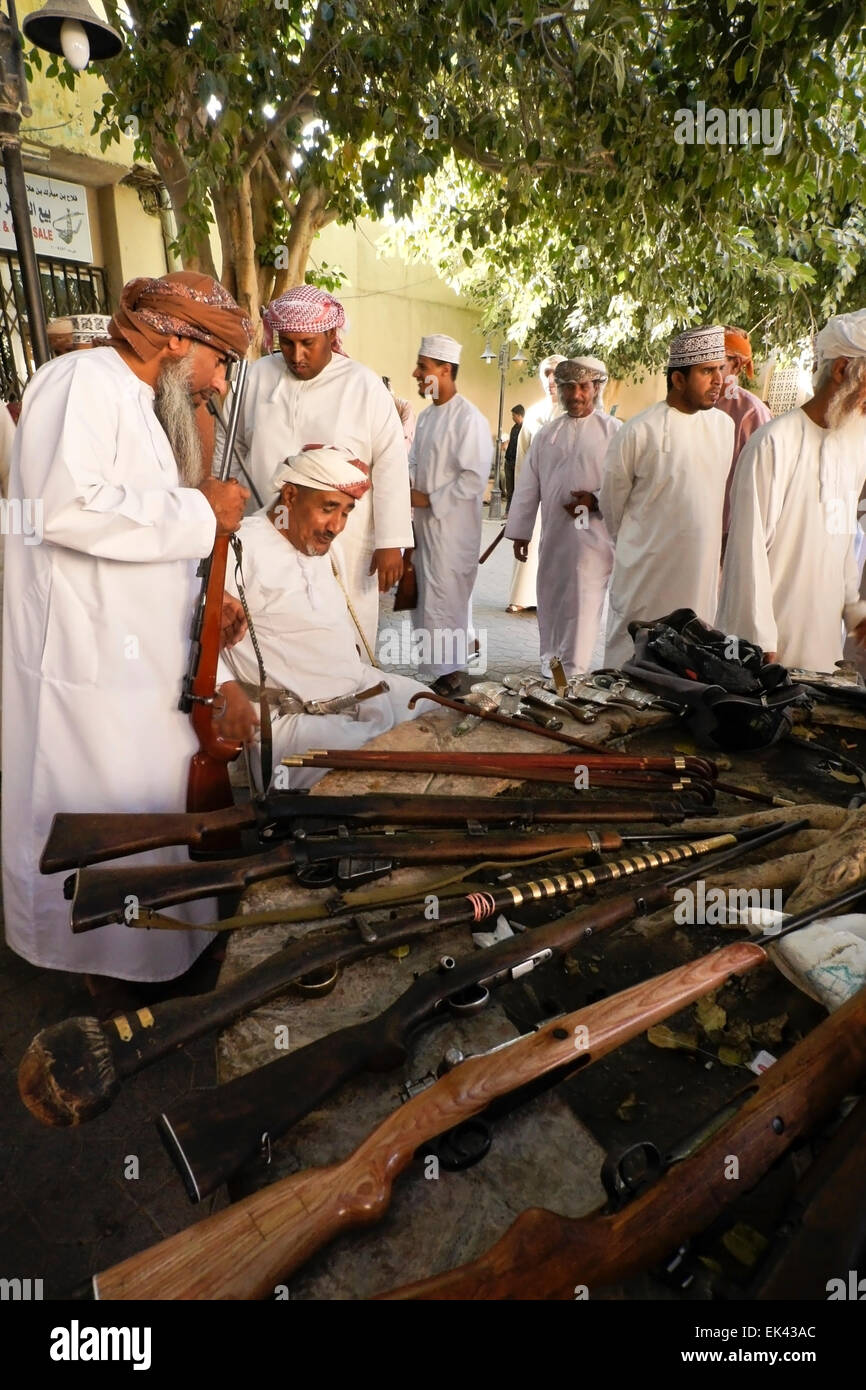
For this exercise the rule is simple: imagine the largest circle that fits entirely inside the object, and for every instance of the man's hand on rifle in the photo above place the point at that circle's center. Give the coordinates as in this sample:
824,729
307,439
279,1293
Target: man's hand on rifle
388,564
228,501
521,550
234,621
237,719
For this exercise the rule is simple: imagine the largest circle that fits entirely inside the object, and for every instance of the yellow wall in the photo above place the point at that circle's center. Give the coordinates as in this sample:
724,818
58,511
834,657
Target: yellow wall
391,305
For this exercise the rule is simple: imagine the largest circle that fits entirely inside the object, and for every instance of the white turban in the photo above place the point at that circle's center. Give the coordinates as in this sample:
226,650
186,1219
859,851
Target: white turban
843,336
548,363
441,348
326,467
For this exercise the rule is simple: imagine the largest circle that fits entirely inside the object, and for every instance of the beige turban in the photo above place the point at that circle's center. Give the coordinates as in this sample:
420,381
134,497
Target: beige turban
441,348
326,467
580,369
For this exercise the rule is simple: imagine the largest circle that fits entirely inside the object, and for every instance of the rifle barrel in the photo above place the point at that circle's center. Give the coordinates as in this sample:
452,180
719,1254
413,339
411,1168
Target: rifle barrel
543,1256
244,1251
76,840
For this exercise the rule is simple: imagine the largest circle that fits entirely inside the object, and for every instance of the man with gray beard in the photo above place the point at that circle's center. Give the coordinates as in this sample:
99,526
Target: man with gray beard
97,615
790,576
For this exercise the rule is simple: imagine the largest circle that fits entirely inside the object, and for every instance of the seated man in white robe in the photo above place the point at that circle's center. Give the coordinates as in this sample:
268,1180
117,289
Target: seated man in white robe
303,624
311,392
790,579
663,495
562,474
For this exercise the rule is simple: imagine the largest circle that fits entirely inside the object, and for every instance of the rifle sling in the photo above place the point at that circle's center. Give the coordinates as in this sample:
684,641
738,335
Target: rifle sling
265,731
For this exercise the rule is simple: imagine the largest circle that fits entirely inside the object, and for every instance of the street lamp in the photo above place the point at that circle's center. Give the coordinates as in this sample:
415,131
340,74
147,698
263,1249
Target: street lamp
70,29
494,512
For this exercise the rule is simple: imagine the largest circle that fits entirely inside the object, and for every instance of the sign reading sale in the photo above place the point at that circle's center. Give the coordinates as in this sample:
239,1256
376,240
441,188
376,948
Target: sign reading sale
58,218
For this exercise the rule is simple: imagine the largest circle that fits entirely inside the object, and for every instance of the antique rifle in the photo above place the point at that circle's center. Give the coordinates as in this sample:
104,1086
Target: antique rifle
73,1070
208,786
545,1256
77,839
210,1134
100,896
824,1228
245,1251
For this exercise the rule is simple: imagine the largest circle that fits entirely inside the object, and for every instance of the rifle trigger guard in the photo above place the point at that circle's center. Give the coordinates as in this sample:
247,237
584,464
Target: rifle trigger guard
469,1001
625,1173
316,875
461,1147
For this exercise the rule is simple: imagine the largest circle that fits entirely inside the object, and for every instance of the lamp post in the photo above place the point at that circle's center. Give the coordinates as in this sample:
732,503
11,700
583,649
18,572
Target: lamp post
69,29
494,512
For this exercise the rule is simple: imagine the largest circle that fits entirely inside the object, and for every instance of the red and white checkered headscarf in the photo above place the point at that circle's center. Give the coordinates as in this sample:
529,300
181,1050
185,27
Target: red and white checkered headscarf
304,310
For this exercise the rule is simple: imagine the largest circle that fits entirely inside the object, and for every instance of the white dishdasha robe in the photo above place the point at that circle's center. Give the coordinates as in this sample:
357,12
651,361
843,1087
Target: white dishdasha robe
662,499
524,577
96,643
790,577
575,561
449,459
346,404
308,645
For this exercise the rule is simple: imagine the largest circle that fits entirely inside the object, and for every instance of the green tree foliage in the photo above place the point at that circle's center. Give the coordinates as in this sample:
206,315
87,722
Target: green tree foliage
573,216
542,139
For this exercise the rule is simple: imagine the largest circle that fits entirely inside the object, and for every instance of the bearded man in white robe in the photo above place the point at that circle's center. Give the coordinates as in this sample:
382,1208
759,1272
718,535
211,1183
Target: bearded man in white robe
790,578
562,475
449,463
97,616
296,598
663,494
312,393
525,575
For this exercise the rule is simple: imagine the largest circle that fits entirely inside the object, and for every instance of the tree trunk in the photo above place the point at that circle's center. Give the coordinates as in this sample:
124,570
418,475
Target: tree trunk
309,218
173,172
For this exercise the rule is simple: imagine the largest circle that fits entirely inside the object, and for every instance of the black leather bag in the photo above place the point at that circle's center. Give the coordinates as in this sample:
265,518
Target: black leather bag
732,698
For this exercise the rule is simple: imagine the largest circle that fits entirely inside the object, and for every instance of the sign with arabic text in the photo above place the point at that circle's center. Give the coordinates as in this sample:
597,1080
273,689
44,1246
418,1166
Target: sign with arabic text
58,218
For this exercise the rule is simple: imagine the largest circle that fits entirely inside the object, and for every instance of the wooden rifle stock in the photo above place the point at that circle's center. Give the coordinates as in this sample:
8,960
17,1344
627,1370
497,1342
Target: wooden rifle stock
77,839
244,1252
544,1256
208,786
73,1070
210,1136
99,894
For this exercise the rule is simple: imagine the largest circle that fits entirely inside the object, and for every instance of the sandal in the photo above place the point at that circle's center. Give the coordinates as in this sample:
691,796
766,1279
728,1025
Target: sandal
447,685
515,608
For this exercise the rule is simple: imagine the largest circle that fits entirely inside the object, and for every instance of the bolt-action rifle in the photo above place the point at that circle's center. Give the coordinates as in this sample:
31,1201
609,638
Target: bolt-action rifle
208,786
243,1252
77,839
73,1070
211,1134
100,896
545,1256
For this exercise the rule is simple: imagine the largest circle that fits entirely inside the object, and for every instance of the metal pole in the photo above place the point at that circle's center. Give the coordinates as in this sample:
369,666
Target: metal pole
12,90
494,512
